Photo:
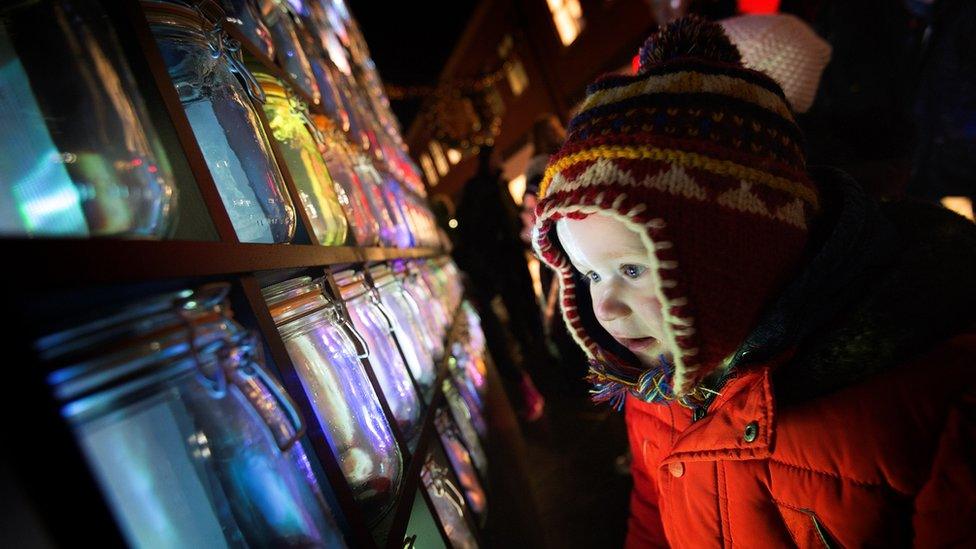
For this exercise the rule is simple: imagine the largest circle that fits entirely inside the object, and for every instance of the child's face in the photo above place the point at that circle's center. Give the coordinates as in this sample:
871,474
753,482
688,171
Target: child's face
616,262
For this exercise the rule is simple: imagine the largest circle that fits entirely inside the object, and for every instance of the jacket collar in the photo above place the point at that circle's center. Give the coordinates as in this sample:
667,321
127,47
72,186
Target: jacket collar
746,403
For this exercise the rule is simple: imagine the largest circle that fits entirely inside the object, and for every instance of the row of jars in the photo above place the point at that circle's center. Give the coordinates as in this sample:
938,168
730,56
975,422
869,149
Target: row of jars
340,186
460,501
82,157
194,442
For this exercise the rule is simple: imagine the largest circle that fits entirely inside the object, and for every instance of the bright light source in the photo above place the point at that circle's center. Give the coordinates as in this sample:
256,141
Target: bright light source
517,77
440,161
453,156
429,170
959,204
452,223
517,188
568,18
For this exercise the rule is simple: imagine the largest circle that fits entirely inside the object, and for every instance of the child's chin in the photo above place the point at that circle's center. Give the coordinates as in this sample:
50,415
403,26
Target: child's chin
651,356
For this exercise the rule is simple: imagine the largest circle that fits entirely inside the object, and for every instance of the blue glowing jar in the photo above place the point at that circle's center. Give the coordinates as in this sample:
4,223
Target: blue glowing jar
191,440
225,122
285,27
78,153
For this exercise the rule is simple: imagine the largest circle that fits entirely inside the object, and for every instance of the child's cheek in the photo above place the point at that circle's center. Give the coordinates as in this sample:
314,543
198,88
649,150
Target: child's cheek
650,313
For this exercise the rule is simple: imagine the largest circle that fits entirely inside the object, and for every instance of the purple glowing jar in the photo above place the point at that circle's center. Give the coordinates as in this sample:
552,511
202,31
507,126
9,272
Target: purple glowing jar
328,363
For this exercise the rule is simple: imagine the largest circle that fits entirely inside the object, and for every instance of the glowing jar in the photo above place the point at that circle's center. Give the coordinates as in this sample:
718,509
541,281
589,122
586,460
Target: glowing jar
407,327
336,383
375,324
225,123
191,441
283,23
293,129
78,153
338,157
448,504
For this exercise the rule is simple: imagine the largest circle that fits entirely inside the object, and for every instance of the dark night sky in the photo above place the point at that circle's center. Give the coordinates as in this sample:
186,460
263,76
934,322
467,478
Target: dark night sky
409,42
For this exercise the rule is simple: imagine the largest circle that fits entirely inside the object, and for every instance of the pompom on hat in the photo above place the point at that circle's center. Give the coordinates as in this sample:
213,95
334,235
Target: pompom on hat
785,48
701,156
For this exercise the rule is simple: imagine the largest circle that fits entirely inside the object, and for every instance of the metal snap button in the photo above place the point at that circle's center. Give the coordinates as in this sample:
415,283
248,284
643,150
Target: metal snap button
752,431
676,469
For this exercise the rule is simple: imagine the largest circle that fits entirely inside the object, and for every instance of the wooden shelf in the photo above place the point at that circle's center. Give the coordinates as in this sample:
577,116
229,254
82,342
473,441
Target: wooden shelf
79,262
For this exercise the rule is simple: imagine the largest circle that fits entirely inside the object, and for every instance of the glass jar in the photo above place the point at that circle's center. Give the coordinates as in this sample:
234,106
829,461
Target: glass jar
336,383
225,123
448,504
80,155
291,125
401,218
430,295
393,232
289,52
244,15
359,210
407,327
424,306
470,424
465,369
322,67
375,324
191,440
460,460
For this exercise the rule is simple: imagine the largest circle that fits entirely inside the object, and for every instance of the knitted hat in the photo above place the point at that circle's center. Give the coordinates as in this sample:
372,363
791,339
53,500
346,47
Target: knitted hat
785,48
702,157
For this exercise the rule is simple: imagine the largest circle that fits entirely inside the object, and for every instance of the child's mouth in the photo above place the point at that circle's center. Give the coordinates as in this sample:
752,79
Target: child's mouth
636,344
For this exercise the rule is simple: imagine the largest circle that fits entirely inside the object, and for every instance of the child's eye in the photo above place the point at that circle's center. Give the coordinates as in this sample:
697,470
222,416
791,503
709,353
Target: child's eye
592,276
632,271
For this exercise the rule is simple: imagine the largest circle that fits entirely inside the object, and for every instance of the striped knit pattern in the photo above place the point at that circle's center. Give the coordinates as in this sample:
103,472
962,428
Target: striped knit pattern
702,157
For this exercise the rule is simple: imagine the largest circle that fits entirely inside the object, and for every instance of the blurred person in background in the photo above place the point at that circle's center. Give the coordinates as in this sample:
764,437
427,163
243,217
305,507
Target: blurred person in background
944,160
488,249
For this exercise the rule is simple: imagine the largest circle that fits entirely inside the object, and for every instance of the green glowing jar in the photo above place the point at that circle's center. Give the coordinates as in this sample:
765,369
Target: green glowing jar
291,126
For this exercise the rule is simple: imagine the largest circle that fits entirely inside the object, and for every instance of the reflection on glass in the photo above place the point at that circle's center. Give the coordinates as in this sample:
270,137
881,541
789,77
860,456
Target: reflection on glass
225,125
340,391
80,156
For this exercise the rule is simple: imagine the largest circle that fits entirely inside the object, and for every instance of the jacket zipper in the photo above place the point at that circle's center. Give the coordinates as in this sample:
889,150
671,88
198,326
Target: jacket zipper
701,410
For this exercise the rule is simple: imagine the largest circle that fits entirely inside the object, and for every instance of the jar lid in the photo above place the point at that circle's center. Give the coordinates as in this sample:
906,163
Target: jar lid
351,283
146,341
294,299
175,15
272,86
381,275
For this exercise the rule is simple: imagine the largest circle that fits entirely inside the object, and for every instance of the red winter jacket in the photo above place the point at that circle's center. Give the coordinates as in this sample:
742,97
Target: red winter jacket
884,463
863,434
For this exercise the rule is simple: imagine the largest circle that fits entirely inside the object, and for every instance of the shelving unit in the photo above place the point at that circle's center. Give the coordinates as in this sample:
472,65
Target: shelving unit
56,278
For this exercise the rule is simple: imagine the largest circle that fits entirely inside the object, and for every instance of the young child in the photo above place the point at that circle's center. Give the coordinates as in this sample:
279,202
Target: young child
795,360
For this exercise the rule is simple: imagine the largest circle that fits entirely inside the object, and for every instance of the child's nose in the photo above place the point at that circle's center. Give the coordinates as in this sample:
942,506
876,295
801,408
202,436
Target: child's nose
609,306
